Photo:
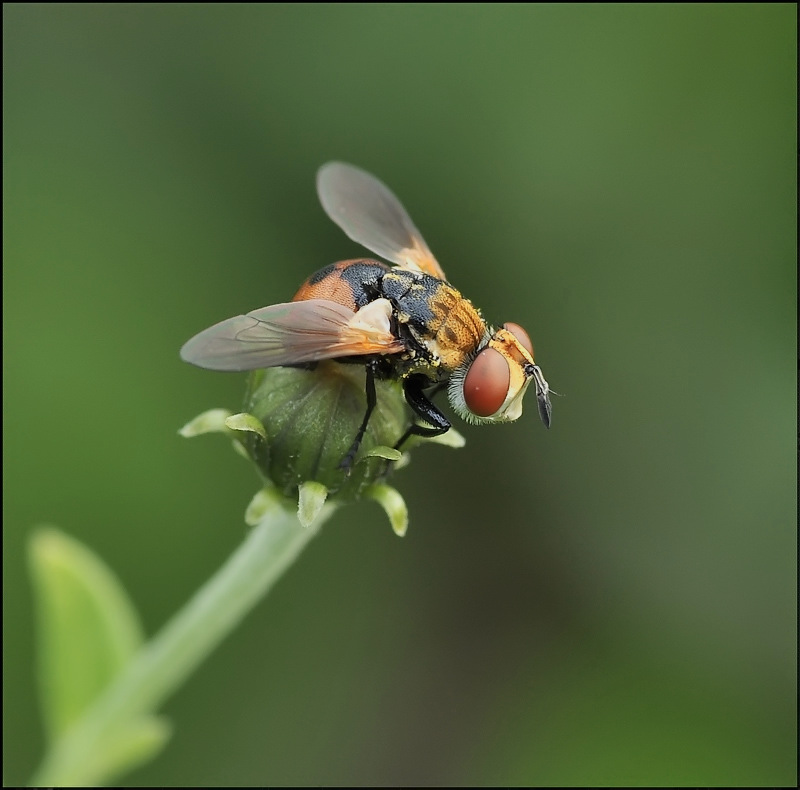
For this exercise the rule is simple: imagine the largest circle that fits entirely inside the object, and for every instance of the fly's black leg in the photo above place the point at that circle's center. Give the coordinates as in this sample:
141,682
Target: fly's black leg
414,387
372,399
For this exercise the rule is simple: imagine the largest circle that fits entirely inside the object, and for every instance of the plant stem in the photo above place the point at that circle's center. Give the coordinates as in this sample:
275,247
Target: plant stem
168,659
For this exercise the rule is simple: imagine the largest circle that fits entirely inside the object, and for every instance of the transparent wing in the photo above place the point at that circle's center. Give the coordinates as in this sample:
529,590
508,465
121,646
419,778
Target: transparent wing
291,333
369,213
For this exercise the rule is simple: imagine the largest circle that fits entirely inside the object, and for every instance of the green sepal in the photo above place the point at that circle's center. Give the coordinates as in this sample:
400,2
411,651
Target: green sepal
311,498
246,422
211,421
388,453
450,438
266,501
393,504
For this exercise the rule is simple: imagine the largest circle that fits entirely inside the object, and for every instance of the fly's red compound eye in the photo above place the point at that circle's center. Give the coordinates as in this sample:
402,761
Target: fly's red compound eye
486,383
521,335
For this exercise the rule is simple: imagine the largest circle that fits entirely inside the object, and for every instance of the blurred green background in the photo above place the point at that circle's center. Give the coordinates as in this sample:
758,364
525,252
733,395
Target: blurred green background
609,602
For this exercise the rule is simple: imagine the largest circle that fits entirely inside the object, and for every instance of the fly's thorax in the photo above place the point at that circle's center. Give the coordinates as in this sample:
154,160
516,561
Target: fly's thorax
436,316
458,328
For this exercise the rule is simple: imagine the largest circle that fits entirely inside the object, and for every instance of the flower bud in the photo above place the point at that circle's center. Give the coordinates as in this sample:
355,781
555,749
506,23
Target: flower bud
311,418
299,427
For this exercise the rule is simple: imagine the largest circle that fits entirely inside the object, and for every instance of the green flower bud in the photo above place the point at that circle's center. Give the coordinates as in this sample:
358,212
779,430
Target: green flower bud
310,419
298,428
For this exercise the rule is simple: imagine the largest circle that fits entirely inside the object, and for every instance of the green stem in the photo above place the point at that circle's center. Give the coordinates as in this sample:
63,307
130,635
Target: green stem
168,659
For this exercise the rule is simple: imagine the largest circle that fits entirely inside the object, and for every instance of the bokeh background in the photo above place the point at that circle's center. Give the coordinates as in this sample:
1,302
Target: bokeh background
609,602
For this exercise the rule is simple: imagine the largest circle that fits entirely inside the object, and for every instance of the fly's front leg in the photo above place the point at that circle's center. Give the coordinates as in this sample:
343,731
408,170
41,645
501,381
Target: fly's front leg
414,387
372,399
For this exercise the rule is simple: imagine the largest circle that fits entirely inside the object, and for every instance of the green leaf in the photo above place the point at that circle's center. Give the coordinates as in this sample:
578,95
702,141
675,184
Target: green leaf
88,628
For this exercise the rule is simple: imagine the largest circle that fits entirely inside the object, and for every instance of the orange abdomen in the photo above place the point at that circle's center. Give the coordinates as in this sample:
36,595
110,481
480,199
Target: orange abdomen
350,283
